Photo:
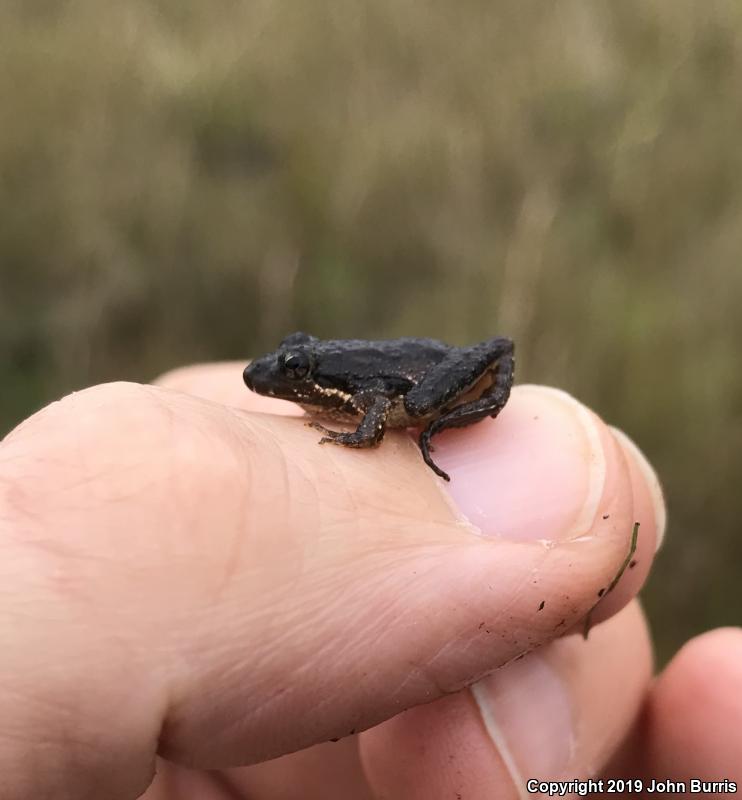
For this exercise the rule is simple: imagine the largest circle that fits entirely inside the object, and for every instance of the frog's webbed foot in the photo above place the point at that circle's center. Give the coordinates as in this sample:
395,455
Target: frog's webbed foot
334,437
369,432
329,435
426,448
347,439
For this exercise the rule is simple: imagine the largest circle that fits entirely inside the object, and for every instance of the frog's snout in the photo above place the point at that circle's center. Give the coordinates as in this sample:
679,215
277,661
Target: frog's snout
258,376
247,376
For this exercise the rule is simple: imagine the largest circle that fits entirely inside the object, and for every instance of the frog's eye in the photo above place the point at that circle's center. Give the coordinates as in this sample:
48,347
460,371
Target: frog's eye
296,365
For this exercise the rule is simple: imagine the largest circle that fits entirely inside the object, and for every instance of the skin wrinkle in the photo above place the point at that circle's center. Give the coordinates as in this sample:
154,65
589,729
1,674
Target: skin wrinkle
409,517
62,576
257,664
517,593
241,455
245,422
416,676
28,698
360,637
425,677
117,468
381,626
25,500
45,544
269,702
427,671
356,635
247,724
243,722
304,506
459,646
282,639
234,615
342,501
243,532
52,560
466,682
63,738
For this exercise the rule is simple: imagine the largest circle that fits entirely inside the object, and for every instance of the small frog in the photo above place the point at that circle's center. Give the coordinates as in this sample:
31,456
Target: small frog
397,383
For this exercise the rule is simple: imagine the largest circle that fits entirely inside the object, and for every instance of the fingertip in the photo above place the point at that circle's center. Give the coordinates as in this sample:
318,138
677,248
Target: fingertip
648,515
694,715
537,472
548,469
649,498
708,668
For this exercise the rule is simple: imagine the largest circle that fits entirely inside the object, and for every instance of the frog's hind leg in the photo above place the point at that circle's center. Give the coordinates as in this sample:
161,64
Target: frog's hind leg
489,404
370,430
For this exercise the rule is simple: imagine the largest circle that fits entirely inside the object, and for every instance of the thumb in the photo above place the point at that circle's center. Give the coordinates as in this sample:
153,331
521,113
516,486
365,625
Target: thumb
267,593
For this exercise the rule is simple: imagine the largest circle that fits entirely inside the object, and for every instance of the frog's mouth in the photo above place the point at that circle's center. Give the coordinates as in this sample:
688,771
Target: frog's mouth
262,378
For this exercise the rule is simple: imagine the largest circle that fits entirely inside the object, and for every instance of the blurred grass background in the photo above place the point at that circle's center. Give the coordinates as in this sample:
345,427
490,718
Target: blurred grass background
183,181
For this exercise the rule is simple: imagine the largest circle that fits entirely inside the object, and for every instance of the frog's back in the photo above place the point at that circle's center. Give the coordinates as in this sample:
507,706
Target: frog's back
400,363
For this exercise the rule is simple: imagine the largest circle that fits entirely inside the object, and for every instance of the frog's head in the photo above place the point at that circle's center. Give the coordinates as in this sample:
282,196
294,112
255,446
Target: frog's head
286,373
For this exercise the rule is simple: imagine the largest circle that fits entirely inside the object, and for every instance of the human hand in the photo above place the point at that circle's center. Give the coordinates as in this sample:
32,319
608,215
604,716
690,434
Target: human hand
184,578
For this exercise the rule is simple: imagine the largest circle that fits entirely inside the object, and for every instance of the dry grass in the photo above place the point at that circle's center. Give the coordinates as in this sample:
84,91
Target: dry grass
183,181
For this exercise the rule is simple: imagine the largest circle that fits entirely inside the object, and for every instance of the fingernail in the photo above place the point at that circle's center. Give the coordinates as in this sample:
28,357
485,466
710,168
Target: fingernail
646,485
535,472
527,712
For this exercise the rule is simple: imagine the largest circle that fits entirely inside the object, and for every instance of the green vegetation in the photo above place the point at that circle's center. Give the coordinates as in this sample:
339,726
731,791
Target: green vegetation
183,181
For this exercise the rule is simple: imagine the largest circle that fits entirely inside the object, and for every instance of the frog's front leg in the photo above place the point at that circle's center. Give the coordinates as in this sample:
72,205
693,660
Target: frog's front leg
454,377
371,428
